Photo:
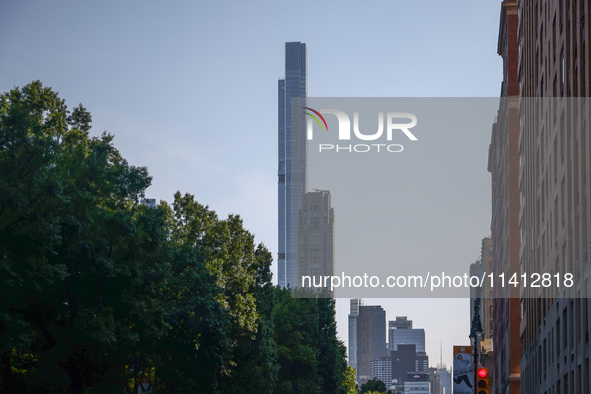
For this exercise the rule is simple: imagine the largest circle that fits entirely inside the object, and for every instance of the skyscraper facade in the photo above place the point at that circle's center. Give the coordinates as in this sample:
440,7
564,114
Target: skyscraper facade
371,339
421,362
316,236
444,378
403,361
408,336
381,369
400,323
353,315
291,159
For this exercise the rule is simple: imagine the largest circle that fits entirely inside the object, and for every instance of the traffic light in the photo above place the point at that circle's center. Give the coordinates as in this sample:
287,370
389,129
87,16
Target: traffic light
483,381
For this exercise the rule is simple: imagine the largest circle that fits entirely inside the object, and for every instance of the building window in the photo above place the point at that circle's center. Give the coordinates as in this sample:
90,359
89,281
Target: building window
562,66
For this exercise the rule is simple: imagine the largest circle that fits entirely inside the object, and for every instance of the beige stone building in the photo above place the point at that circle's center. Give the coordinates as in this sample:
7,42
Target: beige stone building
316,235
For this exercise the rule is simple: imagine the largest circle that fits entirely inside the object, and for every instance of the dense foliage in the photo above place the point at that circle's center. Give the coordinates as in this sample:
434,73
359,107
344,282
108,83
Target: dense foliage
373,386
98,290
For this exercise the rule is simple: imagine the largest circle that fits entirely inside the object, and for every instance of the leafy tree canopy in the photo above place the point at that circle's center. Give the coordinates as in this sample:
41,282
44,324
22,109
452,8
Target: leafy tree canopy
98,290
373,385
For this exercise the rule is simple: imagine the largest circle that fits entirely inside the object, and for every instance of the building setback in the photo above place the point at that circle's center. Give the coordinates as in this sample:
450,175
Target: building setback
399,323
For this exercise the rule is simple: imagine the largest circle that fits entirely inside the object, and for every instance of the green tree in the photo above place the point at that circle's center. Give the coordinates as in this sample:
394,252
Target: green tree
72,257
193,351
348,384
373,385
256,359
296,327
97,290
239,330
311,358
332,352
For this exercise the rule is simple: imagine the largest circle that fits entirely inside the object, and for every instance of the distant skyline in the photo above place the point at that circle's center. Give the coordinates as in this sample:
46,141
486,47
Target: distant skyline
190,90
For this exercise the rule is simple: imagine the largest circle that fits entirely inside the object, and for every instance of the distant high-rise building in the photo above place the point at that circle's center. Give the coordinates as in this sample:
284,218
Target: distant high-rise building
401,323
444,379
316,227
371,338
417,383
353,315
292,159
408,336
403,361
421,362
381,369
434,381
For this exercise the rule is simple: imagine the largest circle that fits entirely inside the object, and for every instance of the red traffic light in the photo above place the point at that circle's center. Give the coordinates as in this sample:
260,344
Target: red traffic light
482,372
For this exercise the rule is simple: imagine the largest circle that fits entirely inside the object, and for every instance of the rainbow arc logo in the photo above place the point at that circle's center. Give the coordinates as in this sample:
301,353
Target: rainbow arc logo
316,119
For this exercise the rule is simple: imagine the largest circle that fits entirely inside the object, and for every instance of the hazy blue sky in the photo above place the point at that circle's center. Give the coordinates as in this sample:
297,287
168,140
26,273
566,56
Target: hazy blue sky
190,89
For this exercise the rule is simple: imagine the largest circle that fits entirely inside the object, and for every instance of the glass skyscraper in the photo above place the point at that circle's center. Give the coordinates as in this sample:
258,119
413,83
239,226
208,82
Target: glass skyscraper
404,336
292,179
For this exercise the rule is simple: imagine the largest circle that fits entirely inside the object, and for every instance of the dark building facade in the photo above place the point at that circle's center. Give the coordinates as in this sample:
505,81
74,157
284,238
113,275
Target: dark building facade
371,338
421,362
503,164
403,362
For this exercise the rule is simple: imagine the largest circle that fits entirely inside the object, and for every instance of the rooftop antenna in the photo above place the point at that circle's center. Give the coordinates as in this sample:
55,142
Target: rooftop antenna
440,353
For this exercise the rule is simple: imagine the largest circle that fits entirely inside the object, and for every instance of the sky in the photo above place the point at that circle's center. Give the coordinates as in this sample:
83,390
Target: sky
189,89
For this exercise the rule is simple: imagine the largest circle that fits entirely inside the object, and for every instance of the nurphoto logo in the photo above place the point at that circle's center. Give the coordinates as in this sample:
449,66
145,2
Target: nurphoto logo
395,122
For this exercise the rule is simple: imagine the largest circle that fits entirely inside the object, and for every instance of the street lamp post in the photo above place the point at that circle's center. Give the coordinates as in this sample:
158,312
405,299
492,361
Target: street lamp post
475,333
